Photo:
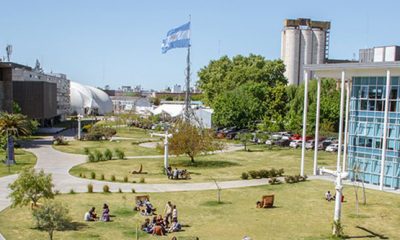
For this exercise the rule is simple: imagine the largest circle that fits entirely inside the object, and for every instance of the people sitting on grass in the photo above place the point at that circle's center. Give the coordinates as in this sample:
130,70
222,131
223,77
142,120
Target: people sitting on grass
105,217
329,197
91,215
147,226
145,207
175,226
158,230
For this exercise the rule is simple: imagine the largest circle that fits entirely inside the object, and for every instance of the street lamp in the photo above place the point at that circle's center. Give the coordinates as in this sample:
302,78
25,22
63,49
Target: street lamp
10,148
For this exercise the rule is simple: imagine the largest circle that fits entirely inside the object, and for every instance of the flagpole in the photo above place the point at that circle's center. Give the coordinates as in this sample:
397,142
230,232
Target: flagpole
187,94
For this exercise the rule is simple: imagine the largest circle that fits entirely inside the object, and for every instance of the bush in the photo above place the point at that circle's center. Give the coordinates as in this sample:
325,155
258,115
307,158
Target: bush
80,174
71,191
119,153
281,172
113,178
254,174
133,190
245,176
97,133
126,179
59,140
93,175
119,190
90,188
273,172
84,175
98,156
86,128
106,189
86,150
142,180
295,179
274,181
108,154
102,177
91,157
264,173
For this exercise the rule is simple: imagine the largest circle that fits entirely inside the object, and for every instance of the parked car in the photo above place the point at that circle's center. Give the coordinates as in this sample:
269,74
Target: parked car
310,144
322,145
282,142
295,143
332,148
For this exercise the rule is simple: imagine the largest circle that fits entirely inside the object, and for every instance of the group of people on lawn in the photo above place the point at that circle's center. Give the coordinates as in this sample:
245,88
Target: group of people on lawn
329,197
91,215
177,173
159,225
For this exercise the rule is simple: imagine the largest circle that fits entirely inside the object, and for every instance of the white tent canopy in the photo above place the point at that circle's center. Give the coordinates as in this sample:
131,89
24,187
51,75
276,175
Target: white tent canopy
89,100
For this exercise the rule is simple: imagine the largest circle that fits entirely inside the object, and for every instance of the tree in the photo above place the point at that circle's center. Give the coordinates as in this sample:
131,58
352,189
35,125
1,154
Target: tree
15,124
191,140
30,186
51,216
245,138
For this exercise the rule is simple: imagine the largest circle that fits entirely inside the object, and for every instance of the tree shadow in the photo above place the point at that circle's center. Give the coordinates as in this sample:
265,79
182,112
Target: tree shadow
371,234
74,226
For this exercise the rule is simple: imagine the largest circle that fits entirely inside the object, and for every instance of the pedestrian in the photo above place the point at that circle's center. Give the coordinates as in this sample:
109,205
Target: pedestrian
168,211
174,213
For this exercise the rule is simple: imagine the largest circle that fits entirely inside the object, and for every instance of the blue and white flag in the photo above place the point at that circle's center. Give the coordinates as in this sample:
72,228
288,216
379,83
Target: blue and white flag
177,38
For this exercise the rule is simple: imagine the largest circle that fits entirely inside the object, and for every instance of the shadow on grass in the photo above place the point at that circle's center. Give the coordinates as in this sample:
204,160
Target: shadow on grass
206,164
214,203
371,234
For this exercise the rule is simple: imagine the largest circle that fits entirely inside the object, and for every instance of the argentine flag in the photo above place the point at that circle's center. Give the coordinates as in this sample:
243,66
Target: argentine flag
177,38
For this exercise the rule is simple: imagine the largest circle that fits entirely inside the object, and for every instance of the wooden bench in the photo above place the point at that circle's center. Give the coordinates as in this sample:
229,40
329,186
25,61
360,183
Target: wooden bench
268,201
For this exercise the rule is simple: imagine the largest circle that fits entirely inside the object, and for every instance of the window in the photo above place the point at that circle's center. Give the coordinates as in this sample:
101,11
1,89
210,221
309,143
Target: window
370,130
369,142
393,93
372,92
390,144
378,130
361,141
364,91
364,105
379,92
371,106
361,128
378,143
379,105
392,106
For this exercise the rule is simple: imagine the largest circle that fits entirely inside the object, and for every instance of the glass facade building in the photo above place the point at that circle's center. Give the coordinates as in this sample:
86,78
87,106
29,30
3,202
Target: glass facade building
366,130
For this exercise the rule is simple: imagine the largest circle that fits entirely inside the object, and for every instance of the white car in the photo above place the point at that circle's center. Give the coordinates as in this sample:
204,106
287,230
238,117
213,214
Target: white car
332,148
295,143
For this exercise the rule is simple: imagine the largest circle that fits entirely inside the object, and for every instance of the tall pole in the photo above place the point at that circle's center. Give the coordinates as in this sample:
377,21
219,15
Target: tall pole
317,126
166,164
187,93
385,130
79,126
346,125
305,109
339,155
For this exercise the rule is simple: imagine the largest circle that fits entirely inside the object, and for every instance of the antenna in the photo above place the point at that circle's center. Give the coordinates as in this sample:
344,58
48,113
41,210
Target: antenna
9,51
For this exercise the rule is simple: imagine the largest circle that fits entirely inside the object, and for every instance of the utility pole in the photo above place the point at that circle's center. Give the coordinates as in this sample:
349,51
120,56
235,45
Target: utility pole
166,136
338,197
187,108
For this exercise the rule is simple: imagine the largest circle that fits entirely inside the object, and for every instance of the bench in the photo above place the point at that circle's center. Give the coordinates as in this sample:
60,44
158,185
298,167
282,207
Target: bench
267,201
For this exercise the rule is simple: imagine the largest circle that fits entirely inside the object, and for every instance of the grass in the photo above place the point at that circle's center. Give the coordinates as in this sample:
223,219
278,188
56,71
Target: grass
23,159
300,213
226,166
137,134
129,147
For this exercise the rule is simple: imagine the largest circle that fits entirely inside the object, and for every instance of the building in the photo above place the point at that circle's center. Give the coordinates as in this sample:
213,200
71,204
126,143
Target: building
41,96
177,88
87,100
303,42
141,105
380,54
371,127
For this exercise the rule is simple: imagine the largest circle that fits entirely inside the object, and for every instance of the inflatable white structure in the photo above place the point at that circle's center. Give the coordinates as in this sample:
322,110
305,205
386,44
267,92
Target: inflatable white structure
89,100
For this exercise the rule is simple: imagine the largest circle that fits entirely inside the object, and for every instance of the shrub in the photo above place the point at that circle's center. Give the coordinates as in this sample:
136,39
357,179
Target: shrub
113,178
106,189
90,188
273,172
108,154
91,157
93,175
289,179
86,150
102,177
119,190
119,153
274,181
98,156
133,190
281,172
84,175
142,180
97,133
264,173
59,140
80,174
245,176
126,179
86,128
253,174
71,191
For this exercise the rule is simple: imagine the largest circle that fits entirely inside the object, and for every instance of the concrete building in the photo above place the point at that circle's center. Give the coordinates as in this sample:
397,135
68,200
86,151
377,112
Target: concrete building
380,54
303,42
177,88
41,96
369,127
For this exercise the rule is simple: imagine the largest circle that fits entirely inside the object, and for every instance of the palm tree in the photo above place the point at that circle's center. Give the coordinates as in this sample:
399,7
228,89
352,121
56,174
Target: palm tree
13,125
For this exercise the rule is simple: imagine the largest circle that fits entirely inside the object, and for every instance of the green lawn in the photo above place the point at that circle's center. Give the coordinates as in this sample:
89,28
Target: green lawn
300,213
131,148
23,159
137,134
226,166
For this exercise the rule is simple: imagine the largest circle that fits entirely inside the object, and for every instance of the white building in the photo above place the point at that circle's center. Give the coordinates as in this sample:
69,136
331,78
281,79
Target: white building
177,88
89,100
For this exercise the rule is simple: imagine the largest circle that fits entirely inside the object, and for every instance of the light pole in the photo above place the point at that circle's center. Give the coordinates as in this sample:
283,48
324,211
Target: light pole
338,197
10,148
79,116
166,136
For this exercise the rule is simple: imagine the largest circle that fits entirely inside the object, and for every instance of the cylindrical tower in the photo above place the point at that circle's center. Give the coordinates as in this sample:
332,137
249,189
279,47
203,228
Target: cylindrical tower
319,46
291,54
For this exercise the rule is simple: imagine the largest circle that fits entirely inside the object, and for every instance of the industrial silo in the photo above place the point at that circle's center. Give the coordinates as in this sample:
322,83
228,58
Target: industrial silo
303,42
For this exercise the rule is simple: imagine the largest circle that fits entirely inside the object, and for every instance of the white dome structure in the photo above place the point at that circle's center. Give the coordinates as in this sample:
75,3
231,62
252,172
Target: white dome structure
89,100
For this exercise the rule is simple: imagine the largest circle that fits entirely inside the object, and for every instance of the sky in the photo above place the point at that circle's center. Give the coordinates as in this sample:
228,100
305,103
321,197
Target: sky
99,42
